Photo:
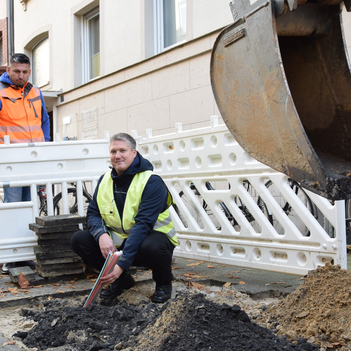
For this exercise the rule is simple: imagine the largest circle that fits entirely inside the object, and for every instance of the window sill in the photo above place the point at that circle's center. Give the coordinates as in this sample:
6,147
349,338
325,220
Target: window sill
180,43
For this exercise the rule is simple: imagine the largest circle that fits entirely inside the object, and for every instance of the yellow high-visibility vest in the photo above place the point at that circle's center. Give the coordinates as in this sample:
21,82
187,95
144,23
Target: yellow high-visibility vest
109,212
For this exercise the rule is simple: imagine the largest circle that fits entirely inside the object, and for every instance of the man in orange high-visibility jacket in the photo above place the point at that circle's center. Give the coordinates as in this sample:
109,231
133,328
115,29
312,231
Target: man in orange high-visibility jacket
23,117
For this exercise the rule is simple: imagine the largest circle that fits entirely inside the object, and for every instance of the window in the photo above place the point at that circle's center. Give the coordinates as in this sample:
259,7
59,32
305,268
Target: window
40,63
91,46
170,23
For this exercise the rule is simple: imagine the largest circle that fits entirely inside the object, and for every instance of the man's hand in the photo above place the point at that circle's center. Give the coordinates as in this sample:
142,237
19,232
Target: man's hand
106,244
110,278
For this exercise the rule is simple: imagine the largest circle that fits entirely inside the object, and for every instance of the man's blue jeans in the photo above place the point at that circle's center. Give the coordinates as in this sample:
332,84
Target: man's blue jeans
17,194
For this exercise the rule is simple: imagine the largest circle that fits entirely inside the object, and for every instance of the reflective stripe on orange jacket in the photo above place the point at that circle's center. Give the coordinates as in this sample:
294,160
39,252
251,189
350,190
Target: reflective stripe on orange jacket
20,116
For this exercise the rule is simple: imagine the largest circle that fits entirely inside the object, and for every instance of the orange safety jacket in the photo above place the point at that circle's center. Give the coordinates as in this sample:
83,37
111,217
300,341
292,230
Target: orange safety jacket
20,116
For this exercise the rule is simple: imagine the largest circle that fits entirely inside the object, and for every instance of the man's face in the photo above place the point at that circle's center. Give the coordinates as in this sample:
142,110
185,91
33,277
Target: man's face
121,155
19,73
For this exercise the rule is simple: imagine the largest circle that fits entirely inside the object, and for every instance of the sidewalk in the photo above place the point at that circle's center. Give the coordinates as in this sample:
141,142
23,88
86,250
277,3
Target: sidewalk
256,283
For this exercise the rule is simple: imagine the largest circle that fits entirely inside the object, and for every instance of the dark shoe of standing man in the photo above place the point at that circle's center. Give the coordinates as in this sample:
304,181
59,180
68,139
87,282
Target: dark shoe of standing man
124,282
6,267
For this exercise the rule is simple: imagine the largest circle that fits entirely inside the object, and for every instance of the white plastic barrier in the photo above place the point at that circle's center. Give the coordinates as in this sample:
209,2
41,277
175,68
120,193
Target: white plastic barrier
51,164
268,236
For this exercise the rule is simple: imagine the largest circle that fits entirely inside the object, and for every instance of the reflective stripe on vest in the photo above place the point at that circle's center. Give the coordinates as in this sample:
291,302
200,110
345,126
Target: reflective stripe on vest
110,214
118,241
20,117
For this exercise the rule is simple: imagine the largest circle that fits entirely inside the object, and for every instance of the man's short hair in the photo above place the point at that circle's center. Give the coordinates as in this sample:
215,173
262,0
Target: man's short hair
125,137
19,58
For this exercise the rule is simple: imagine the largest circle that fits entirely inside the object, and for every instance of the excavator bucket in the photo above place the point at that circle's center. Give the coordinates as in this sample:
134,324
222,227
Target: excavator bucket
281,78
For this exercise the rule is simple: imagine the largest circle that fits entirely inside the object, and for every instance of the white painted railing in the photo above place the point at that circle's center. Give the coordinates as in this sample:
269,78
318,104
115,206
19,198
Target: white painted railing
265,237
55,165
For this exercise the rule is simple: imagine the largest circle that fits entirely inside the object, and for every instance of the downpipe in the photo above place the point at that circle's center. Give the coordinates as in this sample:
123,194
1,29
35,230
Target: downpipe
11,31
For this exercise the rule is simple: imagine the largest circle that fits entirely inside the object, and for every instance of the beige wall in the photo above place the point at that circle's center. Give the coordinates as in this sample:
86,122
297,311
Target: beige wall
122,36
123,39
133,92
122,43
210,15
57,22
3,9
156,93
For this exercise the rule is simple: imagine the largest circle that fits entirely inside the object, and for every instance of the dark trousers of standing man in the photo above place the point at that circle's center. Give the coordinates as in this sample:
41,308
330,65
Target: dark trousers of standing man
155,252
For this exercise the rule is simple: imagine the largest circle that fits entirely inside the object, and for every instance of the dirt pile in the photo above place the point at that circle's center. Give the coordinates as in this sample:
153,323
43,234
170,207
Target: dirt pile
189,322
195,323
93,328
319,310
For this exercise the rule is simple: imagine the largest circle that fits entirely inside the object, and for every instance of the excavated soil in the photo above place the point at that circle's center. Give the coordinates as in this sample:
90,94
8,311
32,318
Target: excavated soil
317,316
319,310
189,322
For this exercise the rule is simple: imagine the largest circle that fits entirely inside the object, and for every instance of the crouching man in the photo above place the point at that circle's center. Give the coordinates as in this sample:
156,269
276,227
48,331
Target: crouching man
129,212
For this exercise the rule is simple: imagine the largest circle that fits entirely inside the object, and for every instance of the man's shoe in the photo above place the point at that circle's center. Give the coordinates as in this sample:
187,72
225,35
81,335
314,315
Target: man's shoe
124,282
7,266
162,293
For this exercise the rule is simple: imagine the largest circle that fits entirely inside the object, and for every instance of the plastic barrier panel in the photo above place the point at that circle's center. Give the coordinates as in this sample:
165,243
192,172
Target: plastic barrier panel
62,177
230,208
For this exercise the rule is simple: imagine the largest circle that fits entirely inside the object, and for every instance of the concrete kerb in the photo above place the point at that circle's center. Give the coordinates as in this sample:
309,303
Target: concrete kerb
11,295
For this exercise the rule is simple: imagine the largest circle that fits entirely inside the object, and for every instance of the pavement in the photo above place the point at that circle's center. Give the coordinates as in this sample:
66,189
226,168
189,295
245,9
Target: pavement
258,284
250,281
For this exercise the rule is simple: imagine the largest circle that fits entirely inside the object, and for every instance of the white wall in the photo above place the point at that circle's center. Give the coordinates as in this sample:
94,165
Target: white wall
134,92
156,93
122,32
209,15
122,39
3,9
43,16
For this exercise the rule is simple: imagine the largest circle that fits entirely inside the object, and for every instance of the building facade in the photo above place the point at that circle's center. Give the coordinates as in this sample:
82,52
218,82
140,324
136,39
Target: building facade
119,65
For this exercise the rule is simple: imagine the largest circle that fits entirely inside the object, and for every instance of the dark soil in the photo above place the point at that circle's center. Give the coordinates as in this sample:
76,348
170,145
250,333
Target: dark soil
189,322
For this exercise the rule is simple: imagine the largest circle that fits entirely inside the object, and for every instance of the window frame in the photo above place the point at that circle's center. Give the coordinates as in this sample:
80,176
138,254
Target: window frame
86,59
33,60
159,39
158,26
